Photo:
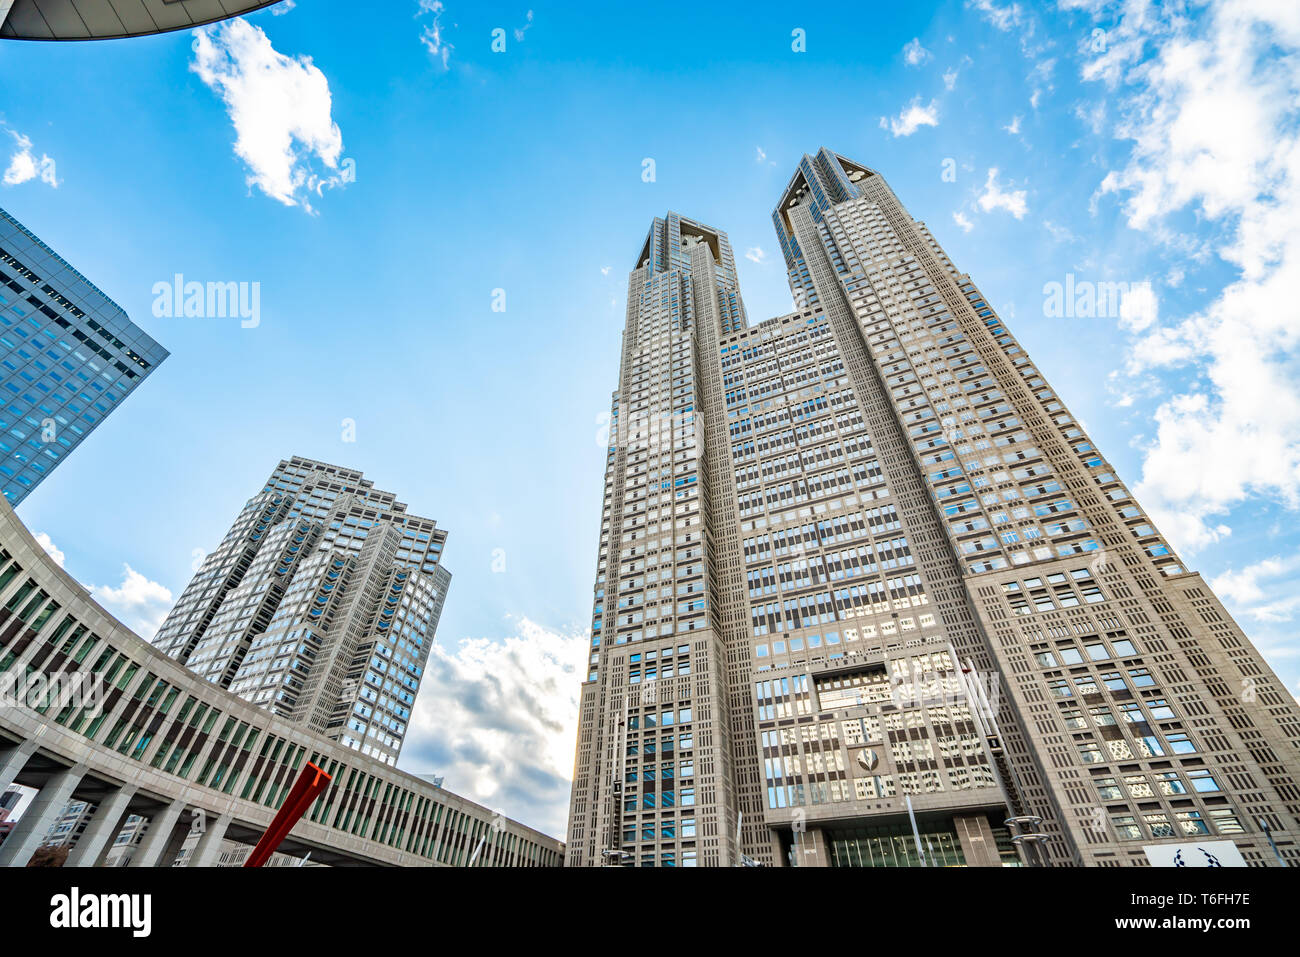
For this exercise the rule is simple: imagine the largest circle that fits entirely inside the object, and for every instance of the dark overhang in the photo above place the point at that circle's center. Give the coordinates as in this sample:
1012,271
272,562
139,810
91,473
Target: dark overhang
112,19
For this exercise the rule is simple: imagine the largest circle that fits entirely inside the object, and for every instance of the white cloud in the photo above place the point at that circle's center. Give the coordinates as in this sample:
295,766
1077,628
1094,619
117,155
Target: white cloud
1091,6
283,7
1210,107
1093,116
520,31
950,74
914,54
24,165
498,719
1005,18
1138,307
755,254
1243,586
280,107
604,270
1014,126
1118,48
911,118
139,603
1257,592
994,197
431,34
1019,21
962,220
1061,234
51,549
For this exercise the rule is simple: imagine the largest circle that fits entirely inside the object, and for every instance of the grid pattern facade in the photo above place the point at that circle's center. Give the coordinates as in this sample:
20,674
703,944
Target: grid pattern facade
69,356
320,605
923,592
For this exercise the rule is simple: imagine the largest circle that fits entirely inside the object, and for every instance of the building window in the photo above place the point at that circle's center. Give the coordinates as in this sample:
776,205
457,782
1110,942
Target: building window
1091,754
1159,824
1126,827
1141,677
1108,789
1225,821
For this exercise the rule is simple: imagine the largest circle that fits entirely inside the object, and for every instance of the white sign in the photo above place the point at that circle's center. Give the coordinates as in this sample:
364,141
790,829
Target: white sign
1200,854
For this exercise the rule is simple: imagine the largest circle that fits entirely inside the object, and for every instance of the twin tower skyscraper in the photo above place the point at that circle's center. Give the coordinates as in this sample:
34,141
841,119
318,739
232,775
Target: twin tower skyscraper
868,595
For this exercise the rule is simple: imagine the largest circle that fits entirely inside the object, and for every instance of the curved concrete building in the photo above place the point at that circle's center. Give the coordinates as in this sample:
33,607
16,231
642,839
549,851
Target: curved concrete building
139,735
112,19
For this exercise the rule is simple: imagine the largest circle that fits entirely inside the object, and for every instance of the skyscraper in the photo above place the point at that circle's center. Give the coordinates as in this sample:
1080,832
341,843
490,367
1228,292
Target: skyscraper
868,595
320,605
70,356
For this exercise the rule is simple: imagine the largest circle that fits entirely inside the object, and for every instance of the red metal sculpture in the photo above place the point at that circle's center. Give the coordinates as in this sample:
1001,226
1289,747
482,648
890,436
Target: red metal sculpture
310,783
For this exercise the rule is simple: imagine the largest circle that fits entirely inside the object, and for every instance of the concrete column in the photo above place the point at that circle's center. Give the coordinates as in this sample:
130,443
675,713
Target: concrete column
159,837
37,820
105,824
811,849
779,858
442,833
978,844
208,849
181,833
423,807
13,761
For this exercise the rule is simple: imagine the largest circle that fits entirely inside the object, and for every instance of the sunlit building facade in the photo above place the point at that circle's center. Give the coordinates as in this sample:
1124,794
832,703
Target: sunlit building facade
867,594
320,605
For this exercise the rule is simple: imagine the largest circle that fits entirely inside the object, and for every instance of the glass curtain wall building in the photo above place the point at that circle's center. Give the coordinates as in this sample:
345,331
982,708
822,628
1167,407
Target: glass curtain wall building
868,595
69,356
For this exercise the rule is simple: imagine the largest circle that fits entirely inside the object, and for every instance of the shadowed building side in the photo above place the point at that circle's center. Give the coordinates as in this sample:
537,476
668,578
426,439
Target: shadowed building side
113,19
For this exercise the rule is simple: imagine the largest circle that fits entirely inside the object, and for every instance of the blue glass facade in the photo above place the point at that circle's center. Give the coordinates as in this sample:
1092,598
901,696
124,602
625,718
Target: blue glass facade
69,355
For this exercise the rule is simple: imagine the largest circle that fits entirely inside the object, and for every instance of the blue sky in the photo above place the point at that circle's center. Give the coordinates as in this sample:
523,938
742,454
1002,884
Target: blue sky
383,176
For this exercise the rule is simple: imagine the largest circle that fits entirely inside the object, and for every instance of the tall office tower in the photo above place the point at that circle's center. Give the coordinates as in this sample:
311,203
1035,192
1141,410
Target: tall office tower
320,605
867,595
70,356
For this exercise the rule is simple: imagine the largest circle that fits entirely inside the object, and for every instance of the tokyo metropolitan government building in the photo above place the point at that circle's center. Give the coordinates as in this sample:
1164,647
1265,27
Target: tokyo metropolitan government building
868,595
